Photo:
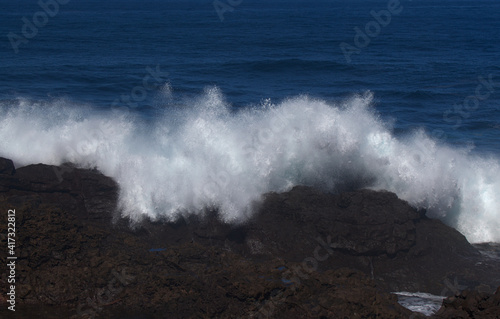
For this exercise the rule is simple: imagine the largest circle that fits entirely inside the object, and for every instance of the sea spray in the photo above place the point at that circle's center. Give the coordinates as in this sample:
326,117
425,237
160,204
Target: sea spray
205,154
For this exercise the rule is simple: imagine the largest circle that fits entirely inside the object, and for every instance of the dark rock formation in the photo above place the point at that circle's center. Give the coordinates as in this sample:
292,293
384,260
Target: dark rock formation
305,254
363,223
86,193
6,167
471,304
374,232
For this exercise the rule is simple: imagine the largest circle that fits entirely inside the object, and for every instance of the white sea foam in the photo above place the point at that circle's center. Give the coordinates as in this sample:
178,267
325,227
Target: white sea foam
204,154
422,302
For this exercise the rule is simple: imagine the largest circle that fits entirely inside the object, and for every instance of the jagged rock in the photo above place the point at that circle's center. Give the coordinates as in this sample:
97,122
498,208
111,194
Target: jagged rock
86,193
361,223
471,304
6,167
304,253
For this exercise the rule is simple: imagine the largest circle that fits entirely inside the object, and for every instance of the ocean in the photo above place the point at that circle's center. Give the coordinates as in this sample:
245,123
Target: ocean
194,104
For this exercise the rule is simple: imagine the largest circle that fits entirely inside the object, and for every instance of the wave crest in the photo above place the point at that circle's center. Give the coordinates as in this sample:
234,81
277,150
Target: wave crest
207,155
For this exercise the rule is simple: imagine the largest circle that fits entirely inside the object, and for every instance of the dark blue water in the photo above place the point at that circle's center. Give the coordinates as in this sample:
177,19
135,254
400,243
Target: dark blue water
162,96
425,61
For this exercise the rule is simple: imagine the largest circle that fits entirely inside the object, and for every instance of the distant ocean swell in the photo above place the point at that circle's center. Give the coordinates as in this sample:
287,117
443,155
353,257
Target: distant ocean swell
206,155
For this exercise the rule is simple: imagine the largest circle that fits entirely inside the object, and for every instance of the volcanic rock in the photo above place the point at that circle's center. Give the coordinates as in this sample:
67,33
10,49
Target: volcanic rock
471,304
6,167
304,254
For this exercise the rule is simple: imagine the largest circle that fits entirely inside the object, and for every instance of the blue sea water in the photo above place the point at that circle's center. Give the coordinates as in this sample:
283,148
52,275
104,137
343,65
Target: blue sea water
189,104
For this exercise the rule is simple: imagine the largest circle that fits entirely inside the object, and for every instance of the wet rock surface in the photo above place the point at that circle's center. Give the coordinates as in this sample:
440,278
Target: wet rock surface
304,254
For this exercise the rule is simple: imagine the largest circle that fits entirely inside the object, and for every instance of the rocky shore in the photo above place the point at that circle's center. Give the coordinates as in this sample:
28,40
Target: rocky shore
304,254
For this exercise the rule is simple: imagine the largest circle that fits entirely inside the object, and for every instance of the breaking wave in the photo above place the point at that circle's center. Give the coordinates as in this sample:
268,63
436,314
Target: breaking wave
205,154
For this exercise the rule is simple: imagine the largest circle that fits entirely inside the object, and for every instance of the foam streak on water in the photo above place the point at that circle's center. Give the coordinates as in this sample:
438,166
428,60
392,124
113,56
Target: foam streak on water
207,155
424,303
